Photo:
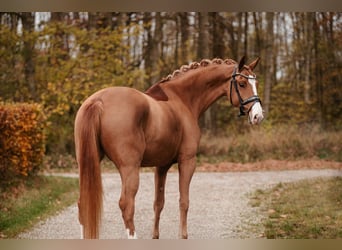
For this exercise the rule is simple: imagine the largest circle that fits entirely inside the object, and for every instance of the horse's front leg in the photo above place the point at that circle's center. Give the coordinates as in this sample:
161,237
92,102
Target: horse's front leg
159,200
186,170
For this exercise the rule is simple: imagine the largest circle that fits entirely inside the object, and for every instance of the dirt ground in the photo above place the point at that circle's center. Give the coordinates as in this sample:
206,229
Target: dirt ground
269,165
220,206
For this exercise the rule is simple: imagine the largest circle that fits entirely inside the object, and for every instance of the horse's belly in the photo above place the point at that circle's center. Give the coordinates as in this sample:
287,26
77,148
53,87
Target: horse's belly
160,154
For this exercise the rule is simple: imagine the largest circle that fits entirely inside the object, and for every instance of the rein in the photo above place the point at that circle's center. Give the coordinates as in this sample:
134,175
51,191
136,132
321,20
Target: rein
253,98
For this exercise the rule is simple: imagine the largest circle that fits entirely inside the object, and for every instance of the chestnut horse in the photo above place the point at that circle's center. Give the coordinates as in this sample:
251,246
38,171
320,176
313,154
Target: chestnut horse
155,128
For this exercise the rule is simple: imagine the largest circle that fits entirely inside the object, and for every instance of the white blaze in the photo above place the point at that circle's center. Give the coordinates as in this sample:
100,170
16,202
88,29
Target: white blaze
252,82
256,114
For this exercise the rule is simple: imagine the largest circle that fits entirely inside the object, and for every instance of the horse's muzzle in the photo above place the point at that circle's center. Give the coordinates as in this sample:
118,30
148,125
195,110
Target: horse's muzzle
256,115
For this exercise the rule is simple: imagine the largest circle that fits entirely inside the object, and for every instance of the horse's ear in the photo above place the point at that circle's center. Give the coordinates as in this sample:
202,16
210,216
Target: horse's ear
253,64
242,62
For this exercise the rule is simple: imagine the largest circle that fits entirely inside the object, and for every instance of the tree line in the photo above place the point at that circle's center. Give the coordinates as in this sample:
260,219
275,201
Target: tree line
57,59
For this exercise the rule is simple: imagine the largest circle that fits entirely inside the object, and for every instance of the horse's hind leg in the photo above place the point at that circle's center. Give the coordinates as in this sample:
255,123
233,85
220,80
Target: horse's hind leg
159,179
130,185
79,219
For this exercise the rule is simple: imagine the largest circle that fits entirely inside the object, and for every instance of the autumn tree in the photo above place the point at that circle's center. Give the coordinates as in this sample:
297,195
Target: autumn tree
59,58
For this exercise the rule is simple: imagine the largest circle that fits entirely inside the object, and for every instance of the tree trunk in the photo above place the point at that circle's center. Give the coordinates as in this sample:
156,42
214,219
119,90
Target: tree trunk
218,36
203,52
245,44
57,16
307,49
318,71
61,38
152,48
268,72
92,18
257,25
203,36
29,53
176,50
184,29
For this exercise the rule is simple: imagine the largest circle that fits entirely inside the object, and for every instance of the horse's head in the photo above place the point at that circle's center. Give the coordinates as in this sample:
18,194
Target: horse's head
243,91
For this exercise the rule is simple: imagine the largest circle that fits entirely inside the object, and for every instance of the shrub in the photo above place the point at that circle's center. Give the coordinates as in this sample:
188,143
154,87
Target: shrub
21,141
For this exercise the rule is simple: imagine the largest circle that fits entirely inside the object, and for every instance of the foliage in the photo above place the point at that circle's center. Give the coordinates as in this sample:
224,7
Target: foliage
307,209
78,54
96,61
65,74
9,68
21,141
289,106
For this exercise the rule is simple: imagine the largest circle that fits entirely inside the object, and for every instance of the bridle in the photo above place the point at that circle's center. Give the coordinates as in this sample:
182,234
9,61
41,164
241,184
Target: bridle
243,103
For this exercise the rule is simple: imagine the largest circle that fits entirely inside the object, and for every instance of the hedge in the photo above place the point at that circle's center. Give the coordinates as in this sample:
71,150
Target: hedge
21,141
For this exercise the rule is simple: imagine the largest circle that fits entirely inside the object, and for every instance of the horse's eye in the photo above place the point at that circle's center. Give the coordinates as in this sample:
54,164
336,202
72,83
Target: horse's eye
242,84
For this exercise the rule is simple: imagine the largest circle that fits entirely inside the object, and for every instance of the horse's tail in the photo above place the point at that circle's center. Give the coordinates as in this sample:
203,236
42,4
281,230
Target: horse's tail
88,154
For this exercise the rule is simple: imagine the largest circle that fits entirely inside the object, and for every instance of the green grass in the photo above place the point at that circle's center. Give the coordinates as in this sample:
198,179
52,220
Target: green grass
309,209
34,201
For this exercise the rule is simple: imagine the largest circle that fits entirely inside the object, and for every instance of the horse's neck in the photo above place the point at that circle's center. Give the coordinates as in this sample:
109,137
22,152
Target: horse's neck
201,89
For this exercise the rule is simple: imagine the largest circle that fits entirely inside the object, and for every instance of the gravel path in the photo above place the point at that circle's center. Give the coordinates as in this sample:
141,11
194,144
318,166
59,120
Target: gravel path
218,206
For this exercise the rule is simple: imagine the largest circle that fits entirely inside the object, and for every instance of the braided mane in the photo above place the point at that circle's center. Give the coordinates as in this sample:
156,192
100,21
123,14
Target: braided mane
158,93
194,65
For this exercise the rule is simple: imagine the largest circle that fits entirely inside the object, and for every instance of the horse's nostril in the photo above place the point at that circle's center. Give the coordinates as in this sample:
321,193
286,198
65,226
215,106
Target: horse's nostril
256,117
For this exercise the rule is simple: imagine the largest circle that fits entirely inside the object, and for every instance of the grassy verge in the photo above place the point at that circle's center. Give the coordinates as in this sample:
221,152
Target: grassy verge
36,200
307,209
